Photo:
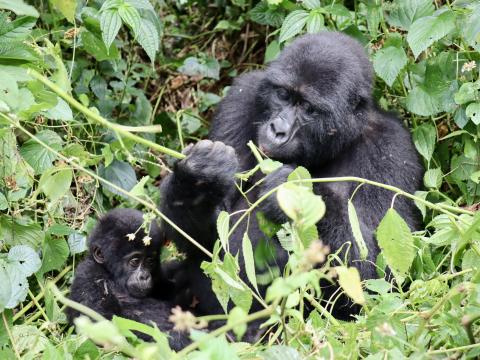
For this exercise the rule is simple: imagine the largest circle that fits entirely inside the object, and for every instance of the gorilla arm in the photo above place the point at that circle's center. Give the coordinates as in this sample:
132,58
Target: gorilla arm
194,192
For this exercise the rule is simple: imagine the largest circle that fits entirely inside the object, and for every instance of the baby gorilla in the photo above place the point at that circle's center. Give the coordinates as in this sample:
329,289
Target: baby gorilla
121,271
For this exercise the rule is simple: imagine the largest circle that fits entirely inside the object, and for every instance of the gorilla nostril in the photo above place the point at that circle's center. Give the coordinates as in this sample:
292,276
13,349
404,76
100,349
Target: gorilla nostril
280,135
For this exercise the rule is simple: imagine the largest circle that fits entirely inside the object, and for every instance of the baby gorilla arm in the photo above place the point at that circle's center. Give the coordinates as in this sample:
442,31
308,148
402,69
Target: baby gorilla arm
193,193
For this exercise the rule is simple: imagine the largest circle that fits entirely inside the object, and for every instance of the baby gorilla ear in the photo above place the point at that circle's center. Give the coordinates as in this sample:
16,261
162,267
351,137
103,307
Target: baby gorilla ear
97,255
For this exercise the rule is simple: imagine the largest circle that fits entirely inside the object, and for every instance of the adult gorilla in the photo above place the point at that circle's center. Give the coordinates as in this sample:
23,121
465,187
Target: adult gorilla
313,107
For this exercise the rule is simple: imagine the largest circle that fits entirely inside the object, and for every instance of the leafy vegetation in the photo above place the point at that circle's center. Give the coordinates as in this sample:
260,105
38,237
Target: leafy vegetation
98,98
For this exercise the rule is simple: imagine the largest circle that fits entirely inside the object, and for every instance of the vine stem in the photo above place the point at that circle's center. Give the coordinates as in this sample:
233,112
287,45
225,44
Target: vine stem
446,209
125,131
221,330
10,336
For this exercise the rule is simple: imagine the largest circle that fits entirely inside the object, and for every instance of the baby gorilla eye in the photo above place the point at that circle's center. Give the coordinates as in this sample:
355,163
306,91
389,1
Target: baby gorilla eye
283,94
134,262
310,109
150,261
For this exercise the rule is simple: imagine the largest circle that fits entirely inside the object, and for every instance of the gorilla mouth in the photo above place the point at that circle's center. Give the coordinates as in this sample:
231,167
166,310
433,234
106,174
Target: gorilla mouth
139,290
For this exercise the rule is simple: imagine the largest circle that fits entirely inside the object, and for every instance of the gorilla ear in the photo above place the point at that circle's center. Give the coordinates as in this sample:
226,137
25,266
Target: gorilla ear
97,255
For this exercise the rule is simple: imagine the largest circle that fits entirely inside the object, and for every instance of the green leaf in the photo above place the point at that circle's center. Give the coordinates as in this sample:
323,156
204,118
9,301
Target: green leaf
77,243
467,92
9,90
388,62
404,13
55,183
19,286
223,224
293,24
141,4
300,204
396,241
281,352
39,157
272,52
311,4
14,233
349,280
267,166
301,173
193,66
425,31
110,23
421,101
424,138
61,111
119,173
433,178
149,38
236,315
473,112
96,47
131,17
19,7
66,8
55,253
356,231
25,259
315,22
5,287
286,237
247,251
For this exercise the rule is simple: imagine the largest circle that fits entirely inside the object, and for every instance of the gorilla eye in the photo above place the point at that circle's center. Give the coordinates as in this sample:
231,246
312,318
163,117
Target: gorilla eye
283,94
310,109
134,262
150,261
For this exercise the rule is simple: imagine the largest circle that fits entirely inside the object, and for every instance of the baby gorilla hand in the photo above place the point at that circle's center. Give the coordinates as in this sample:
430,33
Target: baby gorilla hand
209,164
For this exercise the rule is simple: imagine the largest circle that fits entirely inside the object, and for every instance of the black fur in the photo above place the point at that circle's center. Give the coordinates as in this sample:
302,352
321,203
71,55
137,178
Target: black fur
312,107
102,286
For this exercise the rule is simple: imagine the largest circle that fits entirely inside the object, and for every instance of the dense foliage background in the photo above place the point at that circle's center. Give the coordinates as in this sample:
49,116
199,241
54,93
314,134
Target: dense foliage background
155,70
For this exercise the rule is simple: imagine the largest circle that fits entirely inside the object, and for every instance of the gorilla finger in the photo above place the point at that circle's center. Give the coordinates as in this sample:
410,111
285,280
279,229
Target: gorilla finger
204,144
188,149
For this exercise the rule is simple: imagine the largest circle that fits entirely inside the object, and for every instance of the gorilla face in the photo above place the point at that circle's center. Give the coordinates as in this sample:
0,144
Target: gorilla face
314,88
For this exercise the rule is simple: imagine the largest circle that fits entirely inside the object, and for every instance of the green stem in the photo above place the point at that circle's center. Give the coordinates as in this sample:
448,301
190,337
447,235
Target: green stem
321,309
124,131
221,330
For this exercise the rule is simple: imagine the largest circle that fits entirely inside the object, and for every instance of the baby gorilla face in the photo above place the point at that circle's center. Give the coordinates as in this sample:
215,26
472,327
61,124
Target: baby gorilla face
137,268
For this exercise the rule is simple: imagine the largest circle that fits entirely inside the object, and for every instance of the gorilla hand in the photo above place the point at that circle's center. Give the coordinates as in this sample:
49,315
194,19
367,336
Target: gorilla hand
270,206
209,165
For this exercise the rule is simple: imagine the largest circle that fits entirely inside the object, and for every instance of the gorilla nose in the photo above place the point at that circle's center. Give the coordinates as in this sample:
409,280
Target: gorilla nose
277,132
145,277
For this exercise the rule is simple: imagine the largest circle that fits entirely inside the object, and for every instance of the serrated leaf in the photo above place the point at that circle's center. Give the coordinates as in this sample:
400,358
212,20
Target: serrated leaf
66,8
396,241
356,231
236,315
149,38
311,4
433,178
25,259
55,183
19,286
55,253
77,243
39,157
248,259
141,4
467,92
131,17
388,62
61,111
301,173
121,174
14,233
281,352
5,287
110,23
223,225
473,112
293,24
193,66
349,280
425,31
272,52
421,101
300,204
286,237
315,22
404,13
268,166
424,138
19,7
